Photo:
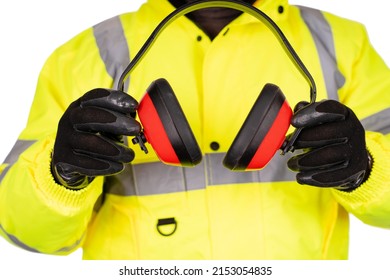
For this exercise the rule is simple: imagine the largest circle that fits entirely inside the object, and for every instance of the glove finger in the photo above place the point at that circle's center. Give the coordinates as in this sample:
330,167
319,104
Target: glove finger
300,106
90,155
319,113
336,177
114,100
101,147
321,158
96,119
323,135
88,166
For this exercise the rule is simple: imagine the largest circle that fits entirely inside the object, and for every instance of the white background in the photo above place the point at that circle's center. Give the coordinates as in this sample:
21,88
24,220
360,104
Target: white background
32,29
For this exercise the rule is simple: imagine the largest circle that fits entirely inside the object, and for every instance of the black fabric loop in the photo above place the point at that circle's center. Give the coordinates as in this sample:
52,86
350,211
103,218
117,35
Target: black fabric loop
166,222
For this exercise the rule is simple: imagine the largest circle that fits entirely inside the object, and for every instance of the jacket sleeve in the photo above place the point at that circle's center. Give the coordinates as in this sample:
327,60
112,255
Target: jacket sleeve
367,92
36,213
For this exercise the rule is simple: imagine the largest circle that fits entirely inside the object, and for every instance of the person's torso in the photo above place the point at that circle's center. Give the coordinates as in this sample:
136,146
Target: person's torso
157,211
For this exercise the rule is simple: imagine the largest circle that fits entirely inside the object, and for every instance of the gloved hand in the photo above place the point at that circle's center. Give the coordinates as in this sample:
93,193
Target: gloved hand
333,143
88,141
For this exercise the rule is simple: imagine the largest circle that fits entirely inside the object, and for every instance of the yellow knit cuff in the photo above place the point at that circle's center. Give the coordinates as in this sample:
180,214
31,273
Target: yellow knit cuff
57,196
377,186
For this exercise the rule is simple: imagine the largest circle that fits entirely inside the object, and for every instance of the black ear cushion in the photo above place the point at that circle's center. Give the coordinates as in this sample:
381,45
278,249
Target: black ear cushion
254,131
175,123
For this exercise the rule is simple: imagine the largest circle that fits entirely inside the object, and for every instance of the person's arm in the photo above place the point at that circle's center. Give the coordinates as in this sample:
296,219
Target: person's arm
337,152
36,213
368,93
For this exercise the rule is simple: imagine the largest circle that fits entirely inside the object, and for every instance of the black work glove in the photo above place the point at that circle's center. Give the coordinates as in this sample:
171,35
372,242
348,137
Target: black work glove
333,143
88,141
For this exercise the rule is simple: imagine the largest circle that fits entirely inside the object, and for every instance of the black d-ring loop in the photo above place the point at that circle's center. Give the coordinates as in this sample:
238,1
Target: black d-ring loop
164,222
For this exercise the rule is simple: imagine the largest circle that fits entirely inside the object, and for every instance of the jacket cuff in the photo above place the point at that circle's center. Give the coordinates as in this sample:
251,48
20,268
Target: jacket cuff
376,187
54,194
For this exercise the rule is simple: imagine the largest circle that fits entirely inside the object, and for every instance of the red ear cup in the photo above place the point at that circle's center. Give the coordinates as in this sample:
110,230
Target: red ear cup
165,126
262,133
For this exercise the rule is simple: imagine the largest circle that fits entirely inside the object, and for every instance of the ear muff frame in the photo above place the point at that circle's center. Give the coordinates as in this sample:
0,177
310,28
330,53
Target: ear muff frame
168,130
231,161
262,133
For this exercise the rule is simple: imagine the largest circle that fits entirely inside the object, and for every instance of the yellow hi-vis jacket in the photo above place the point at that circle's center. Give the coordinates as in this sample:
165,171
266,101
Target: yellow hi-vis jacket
156,211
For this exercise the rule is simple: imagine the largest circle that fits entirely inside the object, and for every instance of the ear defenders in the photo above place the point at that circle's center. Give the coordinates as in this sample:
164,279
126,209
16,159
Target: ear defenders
165,126
263,132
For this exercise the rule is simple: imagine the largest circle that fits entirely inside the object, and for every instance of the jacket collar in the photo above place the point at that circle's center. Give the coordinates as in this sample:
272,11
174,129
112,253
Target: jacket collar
271,7
157,10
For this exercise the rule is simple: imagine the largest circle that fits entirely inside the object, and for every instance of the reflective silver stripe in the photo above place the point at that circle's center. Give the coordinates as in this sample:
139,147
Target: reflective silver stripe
19,147
275,171
323,38
20,244
71,247
113,47
17,242
158,178
379,122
